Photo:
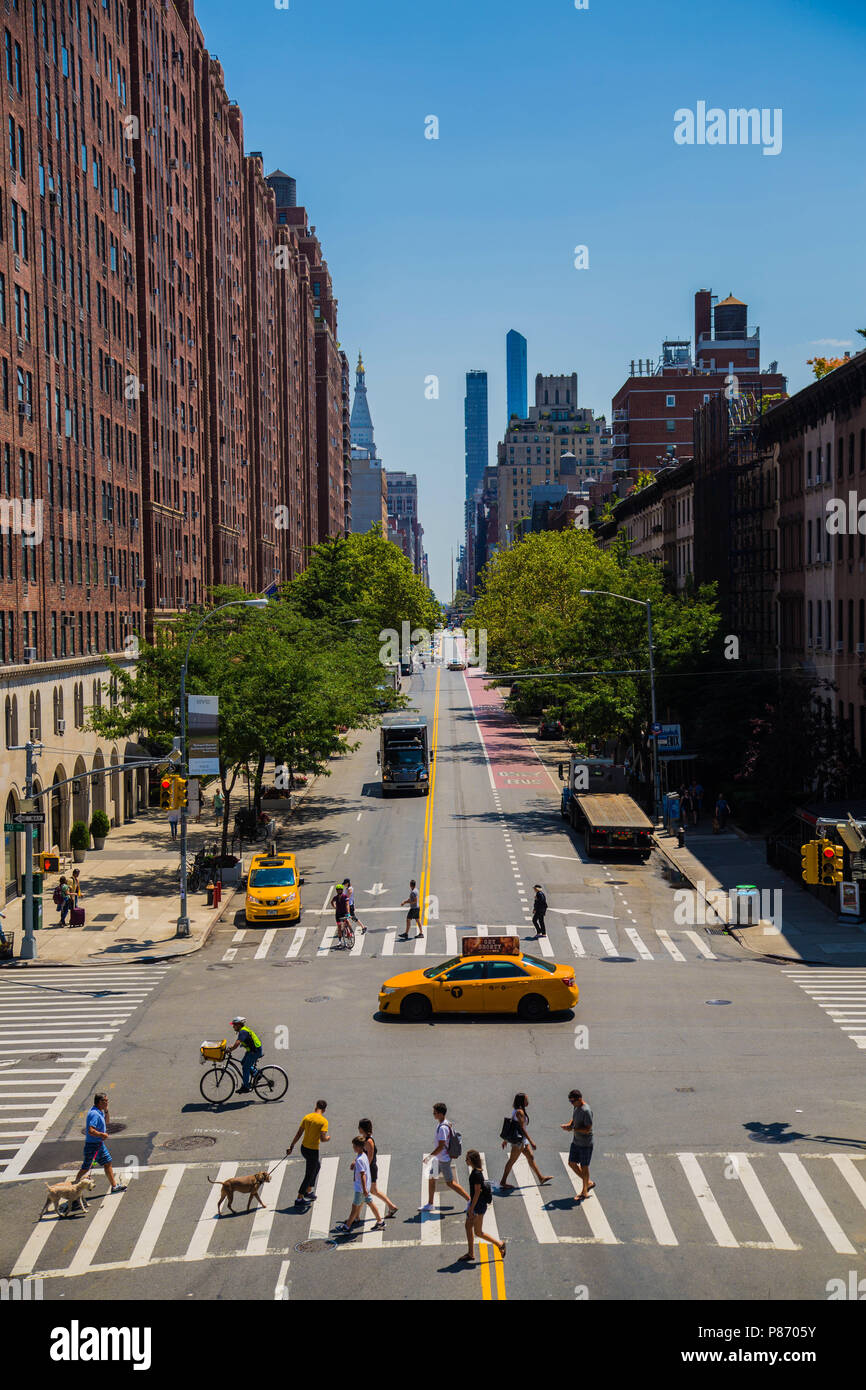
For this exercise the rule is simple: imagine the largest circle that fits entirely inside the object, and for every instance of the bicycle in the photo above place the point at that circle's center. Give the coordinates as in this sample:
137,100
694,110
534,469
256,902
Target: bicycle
224,1077
346,933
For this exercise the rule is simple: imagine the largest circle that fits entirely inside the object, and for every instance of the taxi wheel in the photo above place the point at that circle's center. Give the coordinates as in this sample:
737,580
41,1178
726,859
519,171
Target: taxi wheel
416,1008
532,1006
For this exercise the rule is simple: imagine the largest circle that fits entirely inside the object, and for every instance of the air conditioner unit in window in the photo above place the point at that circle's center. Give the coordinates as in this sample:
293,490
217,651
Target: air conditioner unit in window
61,726
29,653
25,410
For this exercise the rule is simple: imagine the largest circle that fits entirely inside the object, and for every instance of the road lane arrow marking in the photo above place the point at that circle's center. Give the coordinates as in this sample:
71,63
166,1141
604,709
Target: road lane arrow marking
377,889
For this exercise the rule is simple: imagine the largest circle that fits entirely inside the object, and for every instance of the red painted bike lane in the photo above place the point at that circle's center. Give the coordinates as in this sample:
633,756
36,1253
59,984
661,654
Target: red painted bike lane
511,760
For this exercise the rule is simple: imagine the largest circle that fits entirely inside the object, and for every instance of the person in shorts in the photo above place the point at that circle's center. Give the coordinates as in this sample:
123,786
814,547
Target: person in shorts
95,1147
441,1165
361,1196
580,1153
414,913
479,1202
350,900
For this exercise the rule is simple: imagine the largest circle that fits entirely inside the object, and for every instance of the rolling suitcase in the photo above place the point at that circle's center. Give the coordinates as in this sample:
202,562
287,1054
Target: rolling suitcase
76,917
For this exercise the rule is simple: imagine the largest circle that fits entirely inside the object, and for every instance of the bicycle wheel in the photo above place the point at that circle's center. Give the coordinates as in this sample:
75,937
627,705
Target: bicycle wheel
270,1083
349,935
218,1084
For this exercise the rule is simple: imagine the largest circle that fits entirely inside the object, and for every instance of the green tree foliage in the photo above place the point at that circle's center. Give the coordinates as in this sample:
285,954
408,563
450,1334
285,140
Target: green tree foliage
366,577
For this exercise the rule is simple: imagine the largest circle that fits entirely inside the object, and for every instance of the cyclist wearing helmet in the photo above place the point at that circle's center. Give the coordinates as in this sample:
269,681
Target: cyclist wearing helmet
340,904
252,1046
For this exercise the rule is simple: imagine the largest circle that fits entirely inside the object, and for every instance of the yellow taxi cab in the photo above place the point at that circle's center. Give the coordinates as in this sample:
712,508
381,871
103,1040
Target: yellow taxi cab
491,976
273,889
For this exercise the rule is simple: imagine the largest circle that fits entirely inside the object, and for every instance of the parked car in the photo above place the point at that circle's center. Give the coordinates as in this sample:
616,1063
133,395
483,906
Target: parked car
549,728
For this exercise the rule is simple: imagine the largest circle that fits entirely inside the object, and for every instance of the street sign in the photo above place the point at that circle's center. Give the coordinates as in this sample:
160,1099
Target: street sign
30,818
655,730
670,737
13,825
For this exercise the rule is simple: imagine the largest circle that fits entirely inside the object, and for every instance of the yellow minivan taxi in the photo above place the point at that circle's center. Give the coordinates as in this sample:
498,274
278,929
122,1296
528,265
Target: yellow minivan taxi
273,889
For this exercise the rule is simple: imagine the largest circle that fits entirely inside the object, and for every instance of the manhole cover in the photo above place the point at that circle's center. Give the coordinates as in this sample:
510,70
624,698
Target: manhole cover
315,1247
43,1057
618,960
685,1088
115,1127
718,1001
317,999
189,1141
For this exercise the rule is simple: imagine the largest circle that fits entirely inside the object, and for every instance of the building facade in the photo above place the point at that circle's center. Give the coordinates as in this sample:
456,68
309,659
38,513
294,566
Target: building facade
369,480
515,372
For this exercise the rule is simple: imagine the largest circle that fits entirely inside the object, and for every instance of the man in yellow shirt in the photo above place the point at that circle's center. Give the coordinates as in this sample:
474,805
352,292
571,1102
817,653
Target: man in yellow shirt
314,1128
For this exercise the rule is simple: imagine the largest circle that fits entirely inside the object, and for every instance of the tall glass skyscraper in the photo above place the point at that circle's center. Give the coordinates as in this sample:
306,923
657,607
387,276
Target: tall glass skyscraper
475,420
515,361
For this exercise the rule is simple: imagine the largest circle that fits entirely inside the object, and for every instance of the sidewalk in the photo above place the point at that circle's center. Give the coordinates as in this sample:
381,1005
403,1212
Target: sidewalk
802,929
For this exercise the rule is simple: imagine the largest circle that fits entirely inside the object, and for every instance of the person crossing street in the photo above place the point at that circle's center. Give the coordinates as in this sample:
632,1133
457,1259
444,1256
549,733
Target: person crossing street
539,908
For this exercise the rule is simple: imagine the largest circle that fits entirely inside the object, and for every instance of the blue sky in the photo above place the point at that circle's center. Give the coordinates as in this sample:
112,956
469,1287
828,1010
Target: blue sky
555,129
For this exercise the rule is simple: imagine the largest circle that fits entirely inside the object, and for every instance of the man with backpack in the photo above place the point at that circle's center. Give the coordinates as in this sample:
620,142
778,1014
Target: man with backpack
449,1145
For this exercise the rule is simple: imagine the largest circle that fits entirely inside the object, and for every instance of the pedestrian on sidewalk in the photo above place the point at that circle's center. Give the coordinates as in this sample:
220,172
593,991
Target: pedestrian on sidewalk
481,1198
361,1197
723,810
539,908
173,818
414,913
580,1153
365,1129
686,808
218,805
521,1142
441,1160
63,899
75,887
314,1129
350,903
697,792
95,1147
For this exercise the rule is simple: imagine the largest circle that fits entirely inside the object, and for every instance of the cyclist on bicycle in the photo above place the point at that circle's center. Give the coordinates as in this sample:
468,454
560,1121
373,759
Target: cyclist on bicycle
340,904
350,894
252,1046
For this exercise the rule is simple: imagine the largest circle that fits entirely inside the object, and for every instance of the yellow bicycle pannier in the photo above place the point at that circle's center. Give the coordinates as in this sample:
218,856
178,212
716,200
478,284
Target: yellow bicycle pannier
214,1052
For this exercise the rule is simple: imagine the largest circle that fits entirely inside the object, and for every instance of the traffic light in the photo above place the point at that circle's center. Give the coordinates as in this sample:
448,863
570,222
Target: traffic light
831,863
178,793
809,860
165,789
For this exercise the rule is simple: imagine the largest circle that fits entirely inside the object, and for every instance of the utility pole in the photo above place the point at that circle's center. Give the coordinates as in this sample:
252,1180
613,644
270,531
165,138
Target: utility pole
28,940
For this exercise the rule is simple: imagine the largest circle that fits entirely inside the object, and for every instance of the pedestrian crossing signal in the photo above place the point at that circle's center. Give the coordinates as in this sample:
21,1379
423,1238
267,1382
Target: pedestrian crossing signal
831,857
178,793
165,792
809,860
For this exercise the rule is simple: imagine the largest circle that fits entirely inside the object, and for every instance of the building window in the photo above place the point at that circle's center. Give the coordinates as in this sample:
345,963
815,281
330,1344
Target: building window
670,426
670,400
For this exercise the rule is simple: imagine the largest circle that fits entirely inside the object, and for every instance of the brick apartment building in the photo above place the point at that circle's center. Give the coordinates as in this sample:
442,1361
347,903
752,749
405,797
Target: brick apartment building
654,408
173,401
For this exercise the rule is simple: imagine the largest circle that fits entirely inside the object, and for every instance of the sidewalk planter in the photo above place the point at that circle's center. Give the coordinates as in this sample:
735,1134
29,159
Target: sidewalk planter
99,828
229,869
79,841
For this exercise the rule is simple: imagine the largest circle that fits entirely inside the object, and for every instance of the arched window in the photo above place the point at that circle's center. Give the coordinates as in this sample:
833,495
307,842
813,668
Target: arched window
97,694
9,739
59,726
38,715
15,719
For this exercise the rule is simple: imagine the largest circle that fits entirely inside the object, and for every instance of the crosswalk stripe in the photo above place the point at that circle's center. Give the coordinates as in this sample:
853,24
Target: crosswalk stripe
821,1212
606,944
420,948
489,1222
388,943
321,1214
327,939
146,1243
577,945
239,935
451,946
36,1242
701,945
855,1180
96,1228
265,944
710,1208
206,1224
638,944
762,1204
431,1221
373,1239
534,1203
264,1217
591,1208
652,1202
668,944
297,941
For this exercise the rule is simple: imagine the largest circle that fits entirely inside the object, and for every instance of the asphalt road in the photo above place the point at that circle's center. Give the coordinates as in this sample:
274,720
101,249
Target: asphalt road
729,1137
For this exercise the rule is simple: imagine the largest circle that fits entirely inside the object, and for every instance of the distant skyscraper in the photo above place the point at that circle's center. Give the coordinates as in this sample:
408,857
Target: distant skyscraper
369,485
475,419
515,358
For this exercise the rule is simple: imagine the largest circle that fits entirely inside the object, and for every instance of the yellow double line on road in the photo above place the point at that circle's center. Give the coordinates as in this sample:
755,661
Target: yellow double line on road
491,1259
428,818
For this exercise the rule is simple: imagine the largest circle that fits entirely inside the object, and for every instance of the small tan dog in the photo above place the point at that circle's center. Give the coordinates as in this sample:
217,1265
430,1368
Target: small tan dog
250,1185
67,1192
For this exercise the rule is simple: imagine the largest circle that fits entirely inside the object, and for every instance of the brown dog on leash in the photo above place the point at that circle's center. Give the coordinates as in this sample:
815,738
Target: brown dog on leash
250,1185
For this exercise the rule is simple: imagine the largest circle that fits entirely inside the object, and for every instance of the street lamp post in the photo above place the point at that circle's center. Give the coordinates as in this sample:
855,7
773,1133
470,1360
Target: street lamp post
647,604
183,919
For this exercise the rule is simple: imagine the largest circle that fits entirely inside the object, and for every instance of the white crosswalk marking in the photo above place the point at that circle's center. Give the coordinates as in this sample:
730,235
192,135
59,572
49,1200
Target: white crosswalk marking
431,1221
855,1180
701,945
591,1208
652,1202
297,942
821,1212
156,1217
265,944
489,1221
327,939
669,946
206,1224
638,944
451,946
321,1216
841,993
762,1204
388,943
606,944
710,1208
373,1239
534,1203
577,945
264,1218
96,1228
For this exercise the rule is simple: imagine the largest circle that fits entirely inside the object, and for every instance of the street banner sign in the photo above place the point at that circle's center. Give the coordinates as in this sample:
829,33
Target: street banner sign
203,755
670,737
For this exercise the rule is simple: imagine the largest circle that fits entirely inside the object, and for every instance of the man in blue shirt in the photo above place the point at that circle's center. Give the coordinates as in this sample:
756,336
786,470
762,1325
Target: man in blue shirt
95,1147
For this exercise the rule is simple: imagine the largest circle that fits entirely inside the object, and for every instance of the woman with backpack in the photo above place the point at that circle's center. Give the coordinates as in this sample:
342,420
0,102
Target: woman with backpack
481,1197
63,900
515,1133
